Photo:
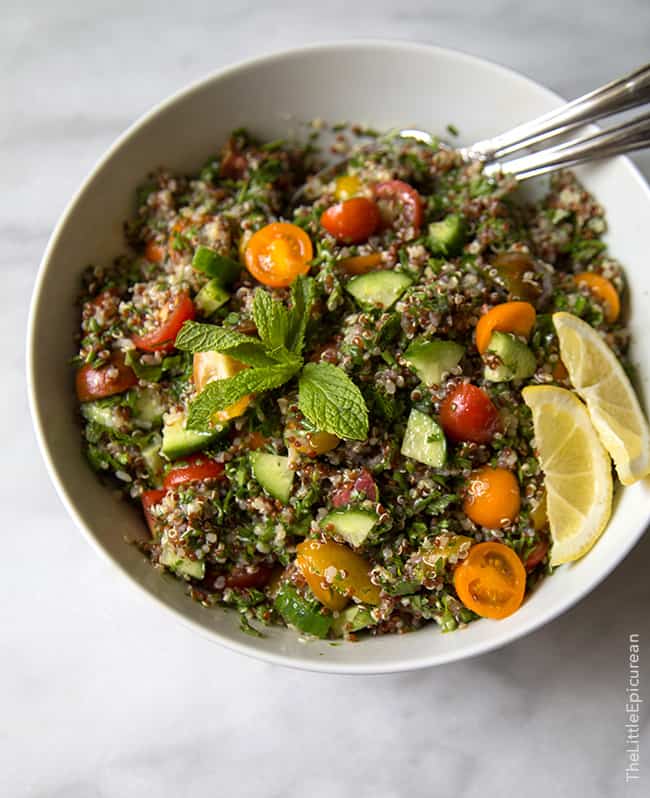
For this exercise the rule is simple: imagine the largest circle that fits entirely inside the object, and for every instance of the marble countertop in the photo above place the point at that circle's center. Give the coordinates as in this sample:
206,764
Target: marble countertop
100,694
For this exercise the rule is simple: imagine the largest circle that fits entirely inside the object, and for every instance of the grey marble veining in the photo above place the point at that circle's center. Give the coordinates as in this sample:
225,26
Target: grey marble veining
100,695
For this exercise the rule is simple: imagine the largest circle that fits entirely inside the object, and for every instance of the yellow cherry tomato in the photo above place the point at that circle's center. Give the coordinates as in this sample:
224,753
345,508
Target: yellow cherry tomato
335,573
361,264
346,187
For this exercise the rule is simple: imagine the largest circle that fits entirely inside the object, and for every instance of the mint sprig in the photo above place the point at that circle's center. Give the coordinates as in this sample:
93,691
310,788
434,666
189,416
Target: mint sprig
220,394
327,397
330,401
195,337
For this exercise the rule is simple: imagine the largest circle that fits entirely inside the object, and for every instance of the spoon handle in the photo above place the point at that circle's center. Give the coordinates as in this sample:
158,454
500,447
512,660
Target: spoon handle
619,95
626,137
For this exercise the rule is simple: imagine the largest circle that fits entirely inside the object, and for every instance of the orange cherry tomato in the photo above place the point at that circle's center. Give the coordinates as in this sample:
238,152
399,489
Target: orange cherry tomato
154,252
195,468
493,498
335,573
96,383
278,253
352,221
149,498
179,310
403,203
491,580
603,290
509,317
361,264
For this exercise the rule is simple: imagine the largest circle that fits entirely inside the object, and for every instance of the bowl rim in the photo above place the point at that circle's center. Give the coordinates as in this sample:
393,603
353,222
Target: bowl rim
244,647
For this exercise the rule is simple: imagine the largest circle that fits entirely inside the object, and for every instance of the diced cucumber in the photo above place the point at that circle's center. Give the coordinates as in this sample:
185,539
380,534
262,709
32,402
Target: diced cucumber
447,236
210,262
152,458
177,441
300,612
433,359
273,473
103,412
517,361
424,440
182,566
352,619
353,526
378,289
211,297
148,407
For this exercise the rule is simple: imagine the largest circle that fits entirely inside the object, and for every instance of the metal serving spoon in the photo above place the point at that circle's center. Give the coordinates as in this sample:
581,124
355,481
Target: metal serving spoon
628,92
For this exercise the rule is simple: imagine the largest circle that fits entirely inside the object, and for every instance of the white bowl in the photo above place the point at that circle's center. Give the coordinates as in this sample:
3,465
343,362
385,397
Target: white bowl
385,84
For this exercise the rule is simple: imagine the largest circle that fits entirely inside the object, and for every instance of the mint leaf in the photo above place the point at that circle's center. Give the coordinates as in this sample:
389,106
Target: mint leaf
271,319
329,399
195,337
302,298
220,394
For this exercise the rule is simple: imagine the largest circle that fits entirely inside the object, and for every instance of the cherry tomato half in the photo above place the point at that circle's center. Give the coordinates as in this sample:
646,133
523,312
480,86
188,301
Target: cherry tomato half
278,253
536,555
402,204
242,578
96,383
491,580
352,221
154,252
162,339
467,414
149,498
334,573
193,469
493,498
364,486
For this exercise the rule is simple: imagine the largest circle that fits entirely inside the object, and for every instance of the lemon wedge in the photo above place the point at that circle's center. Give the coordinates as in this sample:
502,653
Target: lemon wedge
598,377
577,471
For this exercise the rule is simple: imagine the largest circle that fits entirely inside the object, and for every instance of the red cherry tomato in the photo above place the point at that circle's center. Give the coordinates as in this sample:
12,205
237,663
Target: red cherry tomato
402,203
364,485
148,499
241,578
536,555
96,383
193,469
467,414
352,221
162,339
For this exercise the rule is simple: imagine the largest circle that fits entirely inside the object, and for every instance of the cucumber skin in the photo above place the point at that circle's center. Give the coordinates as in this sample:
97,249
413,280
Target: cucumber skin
517,360
179,442
350,536
388,287
447,236
180,565
298,611
261,464
431,359
418,426
211,297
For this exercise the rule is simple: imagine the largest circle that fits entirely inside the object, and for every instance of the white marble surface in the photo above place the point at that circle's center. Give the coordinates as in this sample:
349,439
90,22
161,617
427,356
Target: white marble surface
100,695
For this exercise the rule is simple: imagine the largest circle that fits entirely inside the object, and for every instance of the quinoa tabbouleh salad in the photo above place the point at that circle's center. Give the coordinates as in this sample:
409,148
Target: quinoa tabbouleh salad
323,411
